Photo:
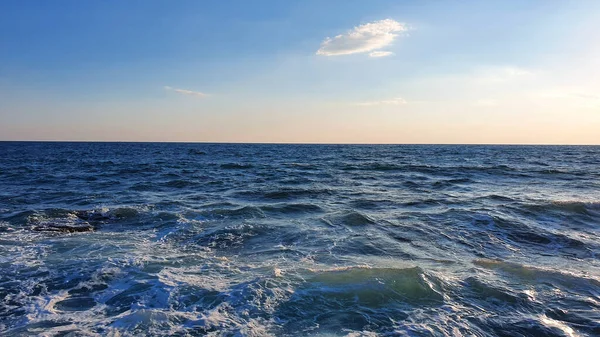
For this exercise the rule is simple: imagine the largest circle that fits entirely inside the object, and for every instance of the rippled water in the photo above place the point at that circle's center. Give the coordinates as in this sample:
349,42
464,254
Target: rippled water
295,240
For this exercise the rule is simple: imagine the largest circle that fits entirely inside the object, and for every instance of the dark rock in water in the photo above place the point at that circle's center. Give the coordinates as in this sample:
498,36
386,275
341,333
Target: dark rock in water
80,221
92,215
69,224
105,215
76,304
64,228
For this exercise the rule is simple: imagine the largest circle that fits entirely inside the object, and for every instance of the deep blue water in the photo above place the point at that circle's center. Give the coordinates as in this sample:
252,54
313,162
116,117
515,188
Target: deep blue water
294,240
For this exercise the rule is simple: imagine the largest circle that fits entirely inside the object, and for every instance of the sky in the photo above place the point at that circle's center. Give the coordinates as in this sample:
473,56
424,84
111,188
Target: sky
311,71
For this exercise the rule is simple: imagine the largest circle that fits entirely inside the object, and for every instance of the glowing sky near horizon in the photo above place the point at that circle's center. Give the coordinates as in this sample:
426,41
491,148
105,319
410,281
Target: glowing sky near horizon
343,71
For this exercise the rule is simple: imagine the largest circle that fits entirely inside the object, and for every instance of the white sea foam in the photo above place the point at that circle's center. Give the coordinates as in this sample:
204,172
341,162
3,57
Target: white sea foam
567,330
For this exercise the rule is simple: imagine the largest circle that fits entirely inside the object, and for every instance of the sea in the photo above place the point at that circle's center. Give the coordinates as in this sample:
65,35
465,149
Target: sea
200,239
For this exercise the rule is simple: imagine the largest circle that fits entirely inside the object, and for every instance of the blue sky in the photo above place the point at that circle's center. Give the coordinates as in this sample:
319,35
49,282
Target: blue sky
301,71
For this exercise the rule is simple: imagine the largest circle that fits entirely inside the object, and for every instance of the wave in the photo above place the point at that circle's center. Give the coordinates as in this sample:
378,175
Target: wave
494,295
373,287
241,212
285,194
229,237
302,166
358,297
296,193
180,183
536,275
569,206
196,152
105,214
425,203
446,183
372,203
351,219
497,197
292,208
236,166
142,186
517,233
389,167
433,169
560,242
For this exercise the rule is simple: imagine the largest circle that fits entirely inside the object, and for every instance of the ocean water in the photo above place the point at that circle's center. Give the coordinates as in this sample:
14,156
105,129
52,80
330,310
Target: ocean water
128,239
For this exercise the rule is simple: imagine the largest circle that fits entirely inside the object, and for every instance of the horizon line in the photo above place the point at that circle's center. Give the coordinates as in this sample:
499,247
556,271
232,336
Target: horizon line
287,143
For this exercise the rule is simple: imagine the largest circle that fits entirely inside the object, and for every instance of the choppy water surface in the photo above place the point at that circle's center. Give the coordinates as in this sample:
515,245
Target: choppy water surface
295,240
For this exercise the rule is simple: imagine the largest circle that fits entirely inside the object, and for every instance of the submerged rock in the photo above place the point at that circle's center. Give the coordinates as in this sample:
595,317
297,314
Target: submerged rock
67,221
92,215
68,224
64,227
101,215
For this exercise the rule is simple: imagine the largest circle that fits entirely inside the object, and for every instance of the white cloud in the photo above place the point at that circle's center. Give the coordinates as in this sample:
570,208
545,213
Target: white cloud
362,39
187,92
394,101
380,53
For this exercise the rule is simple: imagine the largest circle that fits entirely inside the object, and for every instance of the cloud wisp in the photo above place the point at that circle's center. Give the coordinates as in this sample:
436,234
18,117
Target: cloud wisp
380,53
393,101
186,92
503,74
363,39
